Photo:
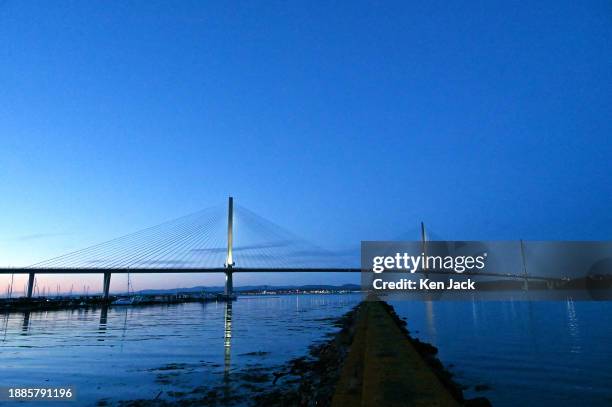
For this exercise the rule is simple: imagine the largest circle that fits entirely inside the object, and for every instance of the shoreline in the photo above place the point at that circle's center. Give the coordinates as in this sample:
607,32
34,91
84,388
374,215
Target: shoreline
21,305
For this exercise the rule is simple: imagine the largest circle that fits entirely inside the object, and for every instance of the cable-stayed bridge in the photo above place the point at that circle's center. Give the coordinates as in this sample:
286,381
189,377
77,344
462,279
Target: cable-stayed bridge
213,240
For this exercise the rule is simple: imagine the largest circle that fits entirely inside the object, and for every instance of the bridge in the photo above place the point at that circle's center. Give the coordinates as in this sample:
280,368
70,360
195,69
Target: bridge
192,244
203,242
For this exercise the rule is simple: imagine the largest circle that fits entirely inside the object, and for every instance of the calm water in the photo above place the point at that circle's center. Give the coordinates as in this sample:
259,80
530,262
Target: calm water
528,353
546,353
136,352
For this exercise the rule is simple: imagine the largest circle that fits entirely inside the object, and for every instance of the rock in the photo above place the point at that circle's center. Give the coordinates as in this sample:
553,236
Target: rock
478,402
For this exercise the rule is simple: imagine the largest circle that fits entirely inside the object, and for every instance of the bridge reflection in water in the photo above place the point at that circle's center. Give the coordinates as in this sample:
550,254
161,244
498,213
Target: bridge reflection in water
227,338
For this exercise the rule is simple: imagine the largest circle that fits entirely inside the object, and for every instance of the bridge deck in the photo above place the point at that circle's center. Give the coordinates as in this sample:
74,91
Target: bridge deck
140,270
93,270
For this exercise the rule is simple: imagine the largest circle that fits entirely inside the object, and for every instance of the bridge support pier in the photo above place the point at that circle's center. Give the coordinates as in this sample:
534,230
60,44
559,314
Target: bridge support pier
106,285
229,283
30,285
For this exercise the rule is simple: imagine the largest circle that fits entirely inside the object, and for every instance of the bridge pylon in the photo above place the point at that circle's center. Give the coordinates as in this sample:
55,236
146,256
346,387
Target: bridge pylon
229,262
525,275
424,247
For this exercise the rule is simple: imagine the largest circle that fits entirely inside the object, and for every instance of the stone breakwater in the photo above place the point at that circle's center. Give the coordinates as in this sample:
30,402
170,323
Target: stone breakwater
371,361
387,367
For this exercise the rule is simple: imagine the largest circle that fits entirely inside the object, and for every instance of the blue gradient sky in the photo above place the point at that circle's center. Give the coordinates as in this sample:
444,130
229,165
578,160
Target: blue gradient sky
340,122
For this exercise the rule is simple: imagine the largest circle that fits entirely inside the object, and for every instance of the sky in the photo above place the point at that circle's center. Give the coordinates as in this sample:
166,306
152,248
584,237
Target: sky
341,122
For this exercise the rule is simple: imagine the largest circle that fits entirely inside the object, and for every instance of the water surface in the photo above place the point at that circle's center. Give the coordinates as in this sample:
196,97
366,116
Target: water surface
138,352
516,353
537,353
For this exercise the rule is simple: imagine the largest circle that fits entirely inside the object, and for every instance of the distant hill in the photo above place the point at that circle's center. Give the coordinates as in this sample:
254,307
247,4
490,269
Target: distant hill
213,289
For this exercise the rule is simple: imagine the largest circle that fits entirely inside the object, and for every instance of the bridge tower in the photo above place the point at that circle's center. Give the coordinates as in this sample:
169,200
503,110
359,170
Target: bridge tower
229,262
525,275
424,246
